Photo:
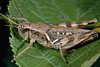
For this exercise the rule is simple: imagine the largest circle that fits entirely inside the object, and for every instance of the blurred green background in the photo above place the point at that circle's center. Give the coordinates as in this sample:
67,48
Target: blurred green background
5,49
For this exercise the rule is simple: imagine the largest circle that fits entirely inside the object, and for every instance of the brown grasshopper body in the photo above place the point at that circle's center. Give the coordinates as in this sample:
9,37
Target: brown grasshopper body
53,36
62,36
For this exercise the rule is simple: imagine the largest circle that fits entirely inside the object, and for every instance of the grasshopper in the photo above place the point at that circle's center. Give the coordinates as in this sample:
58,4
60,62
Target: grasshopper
62,36
56,36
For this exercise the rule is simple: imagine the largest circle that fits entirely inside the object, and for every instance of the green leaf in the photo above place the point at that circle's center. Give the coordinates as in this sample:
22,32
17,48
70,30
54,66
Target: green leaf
53,12
89,63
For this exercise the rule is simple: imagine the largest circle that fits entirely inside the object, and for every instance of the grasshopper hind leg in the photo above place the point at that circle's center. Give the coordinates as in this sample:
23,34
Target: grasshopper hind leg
78,24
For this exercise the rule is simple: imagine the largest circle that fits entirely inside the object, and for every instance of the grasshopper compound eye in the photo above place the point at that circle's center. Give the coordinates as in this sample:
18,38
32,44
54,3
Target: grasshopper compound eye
23,27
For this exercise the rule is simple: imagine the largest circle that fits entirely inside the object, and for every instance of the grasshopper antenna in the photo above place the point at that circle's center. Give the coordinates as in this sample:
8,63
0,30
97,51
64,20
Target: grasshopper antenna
8,19
18,9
